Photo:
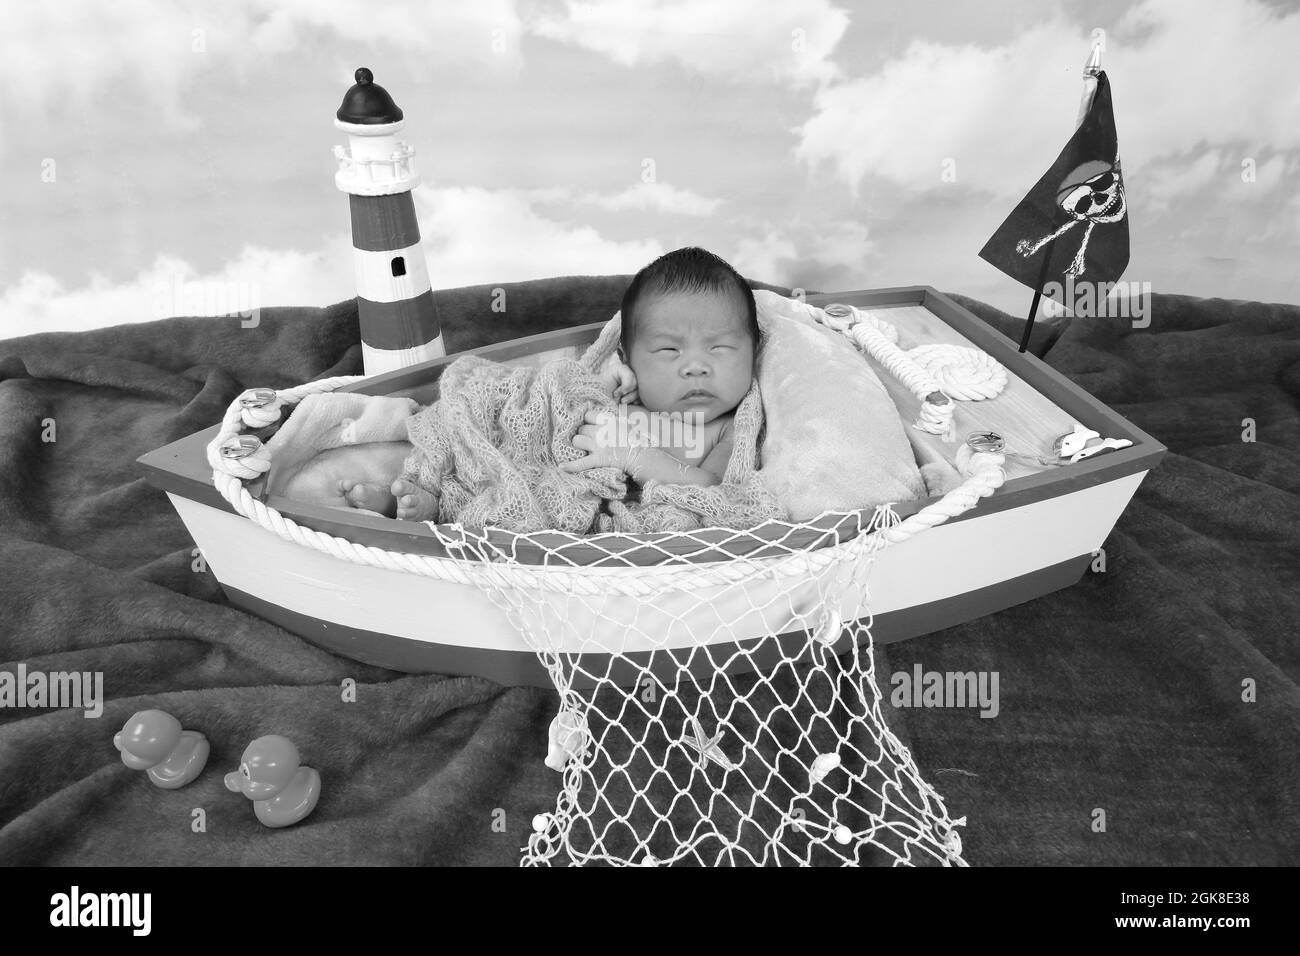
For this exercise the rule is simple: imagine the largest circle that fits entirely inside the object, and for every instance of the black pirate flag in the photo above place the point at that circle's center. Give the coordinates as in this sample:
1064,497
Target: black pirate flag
1074,221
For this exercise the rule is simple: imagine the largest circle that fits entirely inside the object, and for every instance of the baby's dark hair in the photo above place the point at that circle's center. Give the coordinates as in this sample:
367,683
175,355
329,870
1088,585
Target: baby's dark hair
686,270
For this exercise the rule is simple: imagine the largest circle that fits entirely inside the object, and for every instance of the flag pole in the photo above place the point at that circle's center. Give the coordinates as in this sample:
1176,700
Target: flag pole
1090,71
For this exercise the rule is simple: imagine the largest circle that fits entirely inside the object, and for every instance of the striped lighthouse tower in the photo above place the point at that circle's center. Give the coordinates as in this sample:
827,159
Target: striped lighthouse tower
399,323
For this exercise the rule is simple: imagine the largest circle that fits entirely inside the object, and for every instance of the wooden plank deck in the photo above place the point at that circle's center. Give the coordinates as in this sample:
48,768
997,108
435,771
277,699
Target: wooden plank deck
1027,419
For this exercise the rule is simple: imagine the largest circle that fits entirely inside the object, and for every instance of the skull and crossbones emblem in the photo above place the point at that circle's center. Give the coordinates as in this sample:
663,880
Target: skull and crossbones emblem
1092,193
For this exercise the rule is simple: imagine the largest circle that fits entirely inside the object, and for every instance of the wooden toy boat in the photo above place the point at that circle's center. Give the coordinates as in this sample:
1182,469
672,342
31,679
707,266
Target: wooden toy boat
1037,533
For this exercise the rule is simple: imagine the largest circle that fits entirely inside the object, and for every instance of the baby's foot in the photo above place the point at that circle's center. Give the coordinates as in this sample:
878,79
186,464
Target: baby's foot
368,497
413,502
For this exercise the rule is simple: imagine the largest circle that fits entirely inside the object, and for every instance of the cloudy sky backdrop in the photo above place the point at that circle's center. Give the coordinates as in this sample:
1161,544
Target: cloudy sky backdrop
156,157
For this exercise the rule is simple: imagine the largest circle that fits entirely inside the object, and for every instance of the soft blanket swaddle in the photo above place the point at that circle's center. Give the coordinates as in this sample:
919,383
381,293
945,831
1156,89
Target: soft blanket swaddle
491,445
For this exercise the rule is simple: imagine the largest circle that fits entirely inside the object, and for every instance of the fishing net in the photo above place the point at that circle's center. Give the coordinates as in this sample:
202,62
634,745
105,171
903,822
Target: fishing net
718,699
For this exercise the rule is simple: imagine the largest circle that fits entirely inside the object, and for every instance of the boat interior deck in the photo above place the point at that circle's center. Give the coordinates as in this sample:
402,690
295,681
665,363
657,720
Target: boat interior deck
1026,418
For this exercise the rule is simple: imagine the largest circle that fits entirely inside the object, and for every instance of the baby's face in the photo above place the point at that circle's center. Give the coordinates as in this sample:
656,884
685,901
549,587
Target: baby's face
692,354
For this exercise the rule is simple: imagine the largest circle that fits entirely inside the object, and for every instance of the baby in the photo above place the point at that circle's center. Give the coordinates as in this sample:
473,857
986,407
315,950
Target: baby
686,358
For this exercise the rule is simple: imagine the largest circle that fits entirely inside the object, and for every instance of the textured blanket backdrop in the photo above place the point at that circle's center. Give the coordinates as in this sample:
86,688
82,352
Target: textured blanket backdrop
1122,694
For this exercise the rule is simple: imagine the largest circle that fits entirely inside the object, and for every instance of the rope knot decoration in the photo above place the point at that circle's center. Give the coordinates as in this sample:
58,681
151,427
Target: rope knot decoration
936,374
962,373
953,838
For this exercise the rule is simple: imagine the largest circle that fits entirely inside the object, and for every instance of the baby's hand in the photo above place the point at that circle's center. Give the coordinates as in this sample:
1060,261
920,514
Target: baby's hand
608,439
621,379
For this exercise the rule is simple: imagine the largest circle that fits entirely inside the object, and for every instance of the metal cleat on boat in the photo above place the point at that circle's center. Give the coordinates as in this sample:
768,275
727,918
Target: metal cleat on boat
240,446
1109,444
840,316
257,397
991,443
1074,442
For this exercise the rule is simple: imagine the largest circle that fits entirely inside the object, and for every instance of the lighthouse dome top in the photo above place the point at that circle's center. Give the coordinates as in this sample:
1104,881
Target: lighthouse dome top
367,103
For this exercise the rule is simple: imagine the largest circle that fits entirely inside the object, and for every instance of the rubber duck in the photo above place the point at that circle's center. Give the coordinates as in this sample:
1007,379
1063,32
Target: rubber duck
153,740
270,774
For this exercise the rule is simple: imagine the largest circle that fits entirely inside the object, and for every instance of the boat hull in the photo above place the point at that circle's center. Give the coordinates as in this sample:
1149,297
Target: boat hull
407,622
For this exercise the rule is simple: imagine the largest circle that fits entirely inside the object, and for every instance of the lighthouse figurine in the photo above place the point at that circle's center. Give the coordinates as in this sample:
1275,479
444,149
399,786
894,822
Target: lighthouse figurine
399,322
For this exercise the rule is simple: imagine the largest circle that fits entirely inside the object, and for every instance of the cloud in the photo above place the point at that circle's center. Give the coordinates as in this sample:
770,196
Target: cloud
784,41
1200,180
1185,76
75,54
827,256
654,197
1163,182
470,236
171,286
642,197
152,55
474,235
